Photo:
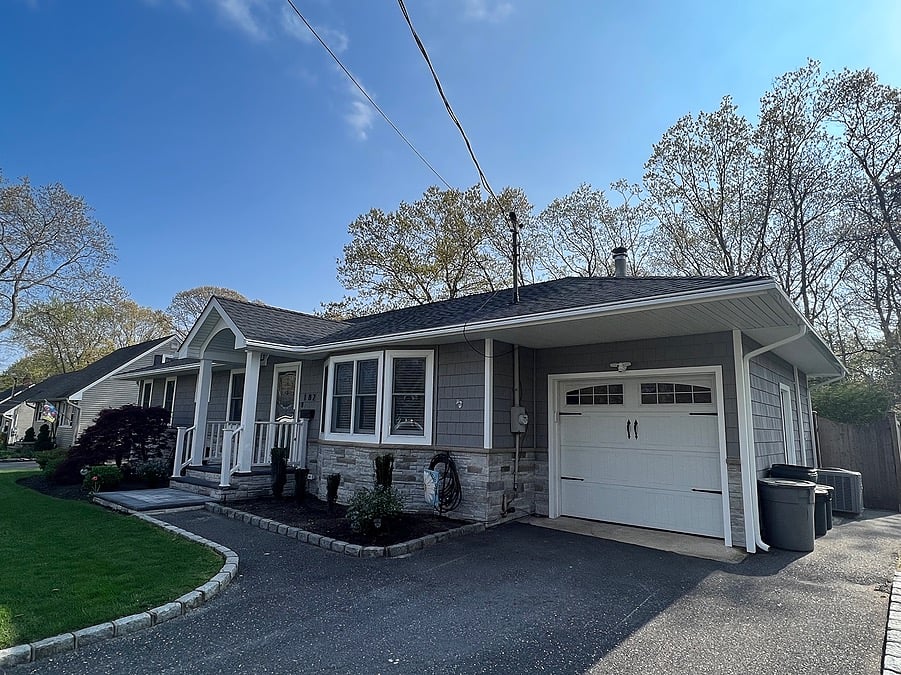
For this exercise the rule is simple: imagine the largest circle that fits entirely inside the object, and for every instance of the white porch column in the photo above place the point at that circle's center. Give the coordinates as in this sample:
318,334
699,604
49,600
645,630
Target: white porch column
249,410
201,405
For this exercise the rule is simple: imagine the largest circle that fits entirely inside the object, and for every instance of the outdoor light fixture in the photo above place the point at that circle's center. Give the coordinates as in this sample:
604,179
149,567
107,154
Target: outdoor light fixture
621,365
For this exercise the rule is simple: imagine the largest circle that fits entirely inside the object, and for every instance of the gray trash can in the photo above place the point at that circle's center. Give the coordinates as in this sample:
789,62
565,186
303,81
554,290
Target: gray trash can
787,512
821,510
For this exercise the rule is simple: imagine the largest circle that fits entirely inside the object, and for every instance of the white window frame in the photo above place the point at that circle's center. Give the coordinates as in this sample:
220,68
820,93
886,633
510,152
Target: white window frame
383,397
174,381
788,424
279,368
329,396
388,395
65,414
228,399
145,384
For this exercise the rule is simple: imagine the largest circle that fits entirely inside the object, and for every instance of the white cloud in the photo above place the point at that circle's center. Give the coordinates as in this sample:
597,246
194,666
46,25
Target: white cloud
336,39
242,15
360,116
487,10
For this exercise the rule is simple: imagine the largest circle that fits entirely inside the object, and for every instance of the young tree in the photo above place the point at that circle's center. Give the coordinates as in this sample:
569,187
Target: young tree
187,305
50,244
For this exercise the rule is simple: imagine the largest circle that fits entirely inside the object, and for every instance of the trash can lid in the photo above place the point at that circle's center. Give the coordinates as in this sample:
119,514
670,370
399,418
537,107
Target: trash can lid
787,483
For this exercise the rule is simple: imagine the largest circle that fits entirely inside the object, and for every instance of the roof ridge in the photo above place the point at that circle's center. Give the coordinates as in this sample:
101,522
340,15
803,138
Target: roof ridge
251,303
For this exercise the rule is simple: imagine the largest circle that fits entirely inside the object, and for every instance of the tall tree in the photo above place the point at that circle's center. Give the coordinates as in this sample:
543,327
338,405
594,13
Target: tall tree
711,202
187,305
446,244
50,243
577,233
59,336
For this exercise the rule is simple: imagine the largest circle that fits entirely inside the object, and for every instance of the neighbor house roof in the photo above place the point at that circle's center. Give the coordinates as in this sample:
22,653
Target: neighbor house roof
66,385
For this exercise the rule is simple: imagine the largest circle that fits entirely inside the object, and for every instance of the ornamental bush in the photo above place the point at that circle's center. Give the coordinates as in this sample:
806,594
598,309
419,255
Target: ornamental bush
29,435
102,477
153,471
371,510
45,457
851,402
130,432
43,441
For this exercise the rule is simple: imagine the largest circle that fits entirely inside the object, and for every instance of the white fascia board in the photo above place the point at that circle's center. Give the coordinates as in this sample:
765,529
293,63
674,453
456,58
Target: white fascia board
815,338
160,372
78,394
212,305
585,311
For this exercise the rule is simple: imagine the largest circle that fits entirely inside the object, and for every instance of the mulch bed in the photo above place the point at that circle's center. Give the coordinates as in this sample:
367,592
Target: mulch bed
40,484
313,516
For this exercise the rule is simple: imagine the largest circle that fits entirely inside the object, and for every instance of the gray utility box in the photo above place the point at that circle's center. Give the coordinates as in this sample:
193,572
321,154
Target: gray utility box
848,495
787,513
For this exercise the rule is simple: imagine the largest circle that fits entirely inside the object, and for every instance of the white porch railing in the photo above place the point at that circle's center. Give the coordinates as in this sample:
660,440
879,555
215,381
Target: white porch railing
223,441
231,441
184,440
291,435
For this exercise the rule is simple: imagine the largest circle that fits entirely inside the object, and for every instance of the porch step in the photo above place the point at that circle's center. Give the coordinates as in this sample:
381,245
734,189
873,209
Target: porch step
198,486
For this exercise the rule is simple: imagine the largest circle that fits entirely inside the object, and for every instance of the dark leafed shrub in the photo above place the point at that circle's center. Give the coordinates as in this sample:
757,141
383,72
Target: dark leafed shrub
44,442
29,435
129,432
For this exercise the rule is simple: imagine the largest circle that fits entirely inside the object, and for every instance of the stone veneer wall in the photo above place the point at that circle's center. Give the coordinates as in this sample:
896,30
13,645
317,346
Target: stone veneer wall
736,503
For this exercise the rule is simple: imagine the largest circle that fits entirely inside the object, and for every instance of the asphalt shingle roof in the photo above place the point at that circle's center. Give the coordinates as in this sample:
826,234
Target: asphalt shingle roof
281,326
62,386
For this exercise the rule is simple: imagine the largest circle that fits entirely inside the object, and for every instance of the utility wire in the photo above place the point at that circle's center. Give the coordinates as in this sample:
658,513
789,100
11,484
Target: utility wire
450,111
369,98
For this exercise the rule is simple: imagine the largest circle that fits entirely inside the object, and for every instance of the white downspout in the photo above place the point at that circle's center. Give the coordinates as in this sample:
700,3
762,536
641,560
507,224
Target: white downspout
746,438
800,421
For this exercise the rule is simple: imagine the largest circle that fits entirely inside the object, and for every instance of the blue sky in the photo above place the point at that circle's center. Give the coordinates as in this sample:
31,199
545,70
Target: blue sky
220,145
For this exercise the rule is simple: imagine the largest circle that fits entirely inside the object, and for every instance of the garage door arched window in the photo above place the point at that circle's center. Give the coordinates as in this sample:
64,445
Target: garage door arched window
599,394
666,393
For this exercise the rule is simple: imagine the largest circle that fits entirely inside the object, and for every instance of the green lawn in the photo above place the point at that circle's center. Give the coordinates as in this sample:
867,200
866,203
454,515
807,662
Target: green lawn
66,565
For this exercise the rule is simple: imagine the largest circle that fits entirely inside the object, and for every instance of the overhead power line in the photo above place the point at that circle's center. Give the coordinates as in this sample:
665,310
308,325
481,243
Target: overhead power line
368,97
450,111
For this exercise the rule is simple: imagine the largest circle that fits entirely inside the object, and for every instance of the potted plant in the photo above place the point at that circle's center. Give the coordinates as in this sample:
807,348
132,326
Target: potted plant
300,484
278,470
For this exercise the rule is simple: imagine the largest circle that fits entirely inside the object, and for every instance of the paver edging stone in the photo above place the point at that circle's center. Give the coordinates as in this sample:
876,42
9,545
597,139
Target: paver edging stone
891,652
64,642
337,546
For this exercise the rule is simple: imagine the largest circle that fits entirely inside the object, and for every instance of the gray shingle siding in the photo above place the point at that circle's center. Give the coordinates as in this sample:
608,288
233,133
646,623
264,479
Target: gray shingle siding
311,393
218,407
460,377
767,372
183,410
503,395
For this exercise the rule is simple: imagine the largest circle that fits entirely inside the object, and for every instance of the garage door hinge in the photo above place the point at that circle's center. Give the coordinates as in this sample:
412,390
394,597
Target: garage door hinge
570,478
569,413
710,492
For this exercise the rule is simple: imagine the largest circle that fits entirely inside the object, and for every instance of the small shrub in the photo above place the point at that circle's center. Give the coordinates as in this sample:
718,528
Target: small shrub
3,441
102,477
29,435
153,471
370,510
44,442
42,458
51,468
851,402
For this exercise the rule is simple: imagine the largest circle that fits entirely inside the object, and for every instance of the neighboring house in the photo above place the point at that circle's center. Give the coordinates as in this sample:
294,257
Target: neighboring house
647,401
80,395
11,422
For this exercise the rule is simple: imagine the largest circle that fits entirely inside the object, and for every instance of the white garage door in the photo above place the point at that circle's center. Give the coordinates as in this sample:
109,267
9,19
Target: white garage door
642,451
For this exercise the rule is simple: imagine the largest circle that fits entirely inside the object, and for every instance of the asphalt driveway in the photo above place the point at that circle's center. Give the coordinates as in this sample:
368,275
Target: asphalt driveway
518,599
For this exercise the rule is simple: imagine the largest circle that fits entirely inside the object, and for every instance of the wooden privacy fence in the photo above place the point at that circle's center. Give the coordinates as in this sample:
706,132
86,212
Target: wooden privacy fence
872,449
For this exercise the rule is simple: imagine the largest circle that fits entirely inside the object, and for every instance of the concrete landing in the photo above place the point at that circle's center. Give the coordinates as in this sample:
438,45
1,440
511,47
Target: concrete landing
683,544
156,499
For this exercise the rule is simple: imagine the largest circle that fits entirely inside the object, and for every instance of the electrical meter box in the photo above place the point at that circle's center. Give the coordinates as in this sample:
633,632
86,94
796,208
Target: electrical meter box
519,419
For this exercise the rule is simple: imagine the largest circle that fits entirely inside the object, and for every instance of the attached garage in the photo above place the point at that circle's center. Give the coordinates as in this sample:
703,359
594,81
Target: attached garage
644,449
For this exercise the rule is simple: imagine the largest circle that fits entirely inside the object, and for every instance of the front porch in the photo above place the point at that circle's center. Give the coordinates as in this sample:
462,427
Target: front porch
226,456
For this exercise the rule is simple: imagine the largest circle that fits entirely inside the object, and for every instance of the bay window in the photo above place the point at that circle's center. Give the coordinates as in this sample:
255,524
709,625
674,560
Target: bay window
380,397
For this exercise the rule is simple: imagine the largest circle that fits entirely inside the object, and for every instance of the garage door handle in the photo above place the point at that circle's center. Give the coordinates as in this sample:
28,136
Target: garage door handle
636,428
628,428
570,478
710,492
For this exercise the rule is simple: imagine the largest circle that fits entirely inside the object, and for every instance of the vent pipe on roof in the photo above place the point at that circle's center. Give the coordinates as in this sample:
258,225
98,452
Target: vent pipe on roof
619,261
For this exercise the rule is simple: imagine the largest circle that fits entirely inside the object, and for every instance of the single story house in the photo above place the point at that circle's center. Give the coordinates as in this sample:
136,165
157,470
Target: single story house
649,401
80,395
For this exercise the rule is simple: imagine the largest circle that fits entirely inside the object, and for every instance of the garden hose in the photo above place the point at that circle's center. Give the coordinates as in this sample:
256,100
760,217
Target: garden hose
450,492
